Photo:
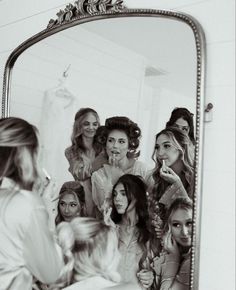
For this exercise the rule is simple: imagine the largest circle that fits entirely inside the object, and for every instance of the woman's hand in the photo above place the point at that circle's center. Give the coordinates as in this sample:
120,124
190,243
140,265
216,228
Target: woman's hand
107,216
145,277
113,161
170,244
169,175
47,188
114,169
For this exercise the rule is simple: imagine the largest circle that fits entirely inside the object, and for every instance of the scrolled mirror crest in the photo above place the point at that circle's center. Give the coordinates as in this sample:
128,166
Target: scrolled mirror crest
85,7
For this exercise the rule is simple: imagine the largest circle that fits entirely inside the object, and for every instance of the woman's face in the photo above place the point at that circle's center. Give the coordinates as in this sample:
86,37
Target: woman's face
69,207
181,226
120,199
182,125
165,150
117,144
89,125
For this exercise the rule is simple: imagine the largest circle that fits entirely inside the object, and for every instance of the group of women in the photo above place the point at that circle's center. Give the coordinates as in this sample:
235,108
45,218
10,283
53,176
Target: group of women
120,225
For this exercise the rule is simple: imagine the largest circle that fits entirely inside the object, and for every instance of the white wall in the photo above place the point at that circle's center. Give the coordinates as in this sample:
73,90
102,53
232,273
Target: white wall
102,74
106,71
21,19
156,105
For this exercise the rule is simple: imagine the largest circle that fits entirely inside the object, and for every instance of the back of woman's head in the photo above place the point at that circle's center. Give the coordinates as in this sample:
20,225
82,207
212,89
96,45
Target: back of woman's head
18,151
124,124
186,115
91,248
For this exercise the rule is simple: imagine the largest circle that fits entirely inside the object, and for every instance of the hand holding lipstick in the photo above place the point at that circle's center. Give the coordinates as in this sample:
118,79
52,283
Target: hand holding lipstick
113,161
114,170
168,174
164,167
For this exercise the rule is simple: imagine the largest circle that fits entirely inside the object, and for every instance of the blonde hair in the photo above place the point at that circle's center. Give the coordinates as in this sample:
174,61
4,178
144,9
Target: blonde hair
19,151
78,197
76,139
179,203
90,248
182,143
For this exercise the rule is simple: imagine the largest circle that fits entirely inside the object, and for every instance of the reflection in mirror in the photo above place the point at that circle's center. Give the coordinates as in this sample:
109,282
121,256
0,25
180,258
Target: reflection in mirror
139,67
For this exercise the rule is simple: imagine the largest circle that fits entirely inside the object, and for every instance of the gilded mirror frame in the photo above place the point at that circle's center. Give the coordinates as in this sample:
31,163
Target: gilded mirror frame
85,11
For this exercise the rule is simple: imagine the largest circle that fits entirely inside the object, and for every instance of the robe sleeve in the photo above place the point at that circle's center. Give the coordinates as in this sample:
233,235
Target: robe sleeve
183,275
166,267
176,190
101,188
43,257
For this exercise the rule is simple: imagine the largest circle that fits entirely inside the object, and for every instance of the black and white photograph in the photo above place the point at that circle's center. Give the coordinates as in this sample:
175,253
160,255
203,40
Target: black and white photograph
112,133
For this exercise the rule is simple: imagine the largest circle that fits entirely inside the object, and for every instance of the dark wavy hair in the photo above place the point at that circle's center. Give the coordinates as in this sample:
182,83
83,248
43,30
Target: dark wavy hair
123,124
181,142
76,137
74,188
185,114
135,188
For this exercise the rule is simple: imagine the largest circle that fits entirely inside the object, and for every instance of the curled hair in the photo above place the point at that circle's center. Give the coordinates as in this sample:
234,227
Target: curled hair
66,240
90,248
124,124
183,113
182,143
74,188
19,151
76,138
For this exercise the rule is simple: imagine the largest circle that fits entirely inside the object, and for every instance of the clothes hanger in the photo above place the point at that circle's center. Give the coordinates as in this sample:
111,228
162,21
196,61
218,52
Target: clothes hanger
62,87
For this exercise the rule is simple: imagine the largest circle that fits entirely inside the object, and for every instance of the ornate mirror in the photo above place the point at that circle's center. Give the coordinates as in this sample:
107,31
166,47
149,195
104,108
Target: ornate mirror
138,63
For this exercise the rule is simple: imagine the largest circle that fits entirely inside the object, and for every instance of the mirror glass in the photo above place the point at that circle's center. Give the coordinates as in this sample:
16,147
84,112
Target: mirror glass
139,67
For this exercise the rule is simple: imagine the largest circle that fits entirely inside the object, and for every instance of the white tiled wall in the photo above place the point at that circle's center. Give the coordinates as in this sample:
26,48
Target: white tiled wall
21,19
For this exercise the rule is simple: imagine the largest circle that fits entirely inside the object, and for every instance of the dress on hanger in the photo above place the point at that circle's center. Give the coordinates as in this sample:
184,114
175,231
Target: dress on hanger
54,132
